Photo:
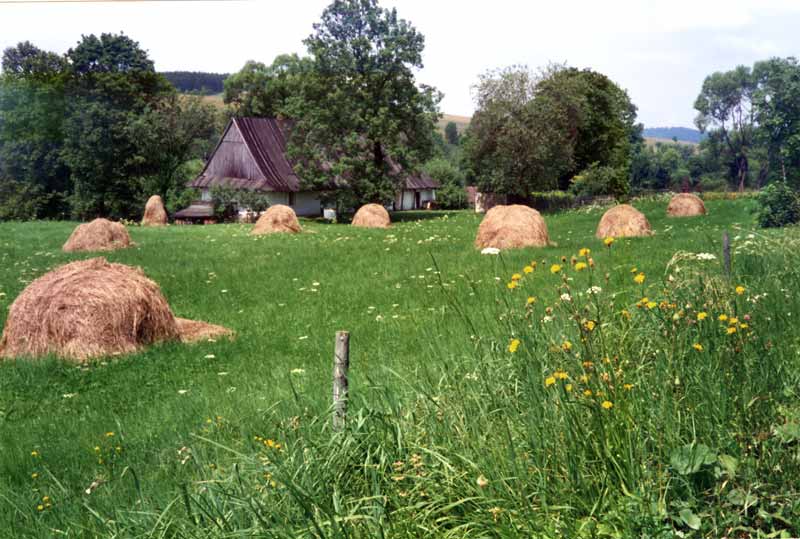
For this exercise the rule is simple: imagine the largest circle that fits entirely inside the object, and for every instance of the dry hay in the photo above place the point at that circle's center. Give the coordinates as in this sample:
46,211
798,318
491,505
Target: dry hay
154,212
372,216
99,235
93,308
512,227
195,330
278,218
622,221
686,205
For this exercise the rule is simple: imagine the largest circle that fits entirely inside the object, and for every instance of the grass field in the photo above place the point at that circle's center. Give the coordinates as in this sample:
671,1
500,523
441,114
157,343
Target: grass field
454,430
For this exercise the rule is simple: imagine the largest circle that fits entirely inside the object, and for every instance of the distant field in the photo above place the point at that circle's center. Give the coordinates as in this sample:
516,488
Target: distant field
462,122
652,141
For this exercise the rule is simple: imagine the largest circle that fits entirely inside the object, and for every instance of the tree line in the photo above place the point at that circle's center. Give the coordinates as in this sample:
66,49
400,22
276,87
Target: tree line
197,82
93,132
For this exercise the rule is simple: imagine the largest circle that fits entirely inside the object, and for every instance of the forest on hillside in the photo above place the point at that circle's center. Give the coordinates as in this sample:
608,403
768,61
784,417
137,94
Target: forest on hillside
196,82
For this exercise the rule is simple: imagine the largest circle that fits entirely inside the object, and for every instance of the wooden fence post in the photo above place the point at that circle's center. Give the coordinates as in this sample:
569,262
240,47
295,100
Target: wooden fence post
726,253
341,363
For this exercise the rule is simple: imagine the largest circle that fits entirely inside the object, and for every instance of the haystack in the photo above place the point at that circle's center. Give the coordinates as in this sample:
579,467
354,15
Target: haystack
512,227
278,218
372,216
686,205
92,308
154,212
622,221
99,235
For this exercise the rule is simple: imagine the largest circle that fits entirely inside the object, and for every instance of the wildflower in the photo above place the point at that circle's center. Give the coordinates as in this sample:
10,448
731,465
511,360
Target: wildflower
591,262
555,268
512,285
634,269
594,290
580,266
513,345
40,507
568,387
584,252
628,387
740,290
564,259
651,304
698,347
34,475
608,242
566,297
34,453
607,405
109,435
490,251
639,279
566,346
533,264
584,378
587,392
702,316
733,321
705,256
527,269
722,317
589,325
516,277
561,375
549,381
744,326
482,482
731,330
626,314
531,300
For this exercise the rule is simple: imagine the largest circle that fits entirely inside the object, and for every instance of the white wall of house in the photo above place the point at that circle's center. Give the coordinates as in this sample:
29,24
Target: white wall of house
304,203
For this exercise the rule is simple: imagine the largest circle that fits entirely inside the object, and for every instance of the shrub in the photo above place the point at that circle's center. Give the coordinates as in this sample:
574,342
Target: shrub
19,201
451,195
778,205
598,180
547,201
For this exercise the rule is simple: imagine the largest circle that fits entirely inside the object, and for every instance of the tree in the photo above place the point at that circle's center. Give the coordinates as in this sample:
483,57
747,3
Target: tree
112,82
451,133
725,107
265,91
777,104
32,110
361,114
535,132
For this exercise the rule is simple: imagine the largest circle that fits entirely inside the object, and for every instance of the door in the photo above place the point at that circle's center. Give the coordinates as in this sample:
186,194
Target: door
417,200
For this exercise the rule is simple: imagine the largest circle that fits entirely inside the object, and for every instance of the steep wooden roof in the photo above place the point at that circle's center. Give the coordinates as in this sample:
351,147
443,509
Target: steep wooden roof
251,154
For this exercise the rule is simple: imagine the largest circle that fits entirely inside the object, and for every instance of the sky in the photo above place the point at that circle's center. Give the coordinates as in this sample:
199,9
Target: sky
659,51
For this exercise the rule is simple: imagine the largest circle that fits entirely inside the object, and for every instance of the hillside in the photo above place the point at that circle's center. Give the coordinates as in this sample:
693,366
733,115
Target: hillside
683,134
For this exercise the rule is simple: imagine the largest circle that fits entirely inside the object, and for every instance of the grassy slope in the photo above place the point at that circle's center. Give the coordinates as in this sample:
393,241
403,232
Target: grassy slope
380,285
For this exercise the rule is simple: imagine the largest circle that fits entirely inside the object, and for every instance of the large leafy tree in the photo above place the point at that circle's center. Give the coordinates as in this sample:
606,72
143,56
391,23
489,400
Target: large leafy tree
535,131
361,112
725,109
261,90
32,108
112,84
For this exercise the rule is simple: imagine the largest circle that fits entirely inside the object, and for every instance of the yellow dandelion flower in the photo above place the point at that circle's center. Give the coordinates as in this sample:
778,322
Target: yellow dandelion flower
109,434
513,345
566,346
697,346
568,387
580,266
634,269
531,300
722,317
652,304
731,330
512,285
533,264
607,405
34,475
550,380
584,378
555,268
34,453
584,252
702,316
628,387
589,325
626,314
740,290
46,499
561,375
527,269
516,277
639,279
743,326
733,321
587,392
608,242
40,507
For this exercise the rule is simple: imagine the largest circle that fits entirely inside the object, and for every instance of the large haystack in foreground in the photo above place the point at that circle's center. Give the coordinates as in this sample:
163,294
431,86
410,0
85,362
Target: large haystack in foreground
512,227
372,216
278,218
99,235
154,212
686,205
92,308
622,221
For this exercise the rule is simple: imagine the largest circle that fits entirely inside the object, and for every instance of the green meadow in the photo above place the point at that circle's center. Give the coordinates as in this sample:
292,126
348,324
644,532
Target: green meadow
601,407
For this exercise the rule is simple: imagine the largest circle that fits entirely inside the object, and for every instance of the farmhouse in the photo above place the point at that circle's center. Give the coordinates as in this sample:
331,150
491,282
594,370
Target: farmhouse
251,154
